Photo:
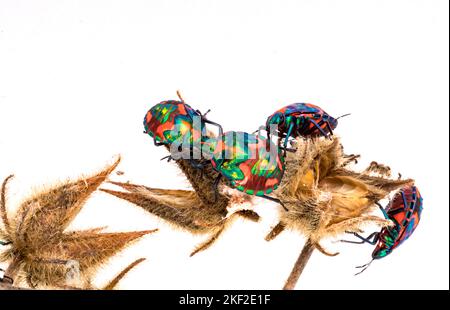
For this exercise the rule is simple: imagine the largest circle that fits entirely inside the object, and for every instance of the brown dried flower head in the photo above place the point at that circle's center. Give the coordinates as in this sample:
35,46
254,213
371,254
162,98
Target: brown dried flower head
324,196
41,251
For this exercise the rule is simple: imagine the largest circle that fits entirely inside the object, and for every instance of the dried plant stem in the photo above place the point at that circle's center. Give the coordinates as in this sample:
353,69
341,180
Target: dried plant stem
300,264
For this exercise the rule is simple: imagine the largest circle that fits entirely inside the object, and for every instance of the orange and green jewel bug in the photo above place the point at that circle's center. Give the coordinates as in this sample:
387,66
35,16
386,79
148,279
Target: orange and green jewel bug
251,163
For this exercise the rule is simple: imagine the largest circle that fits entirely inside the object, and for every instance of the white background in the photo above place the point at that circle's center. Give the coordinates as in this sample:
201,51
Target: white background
77,77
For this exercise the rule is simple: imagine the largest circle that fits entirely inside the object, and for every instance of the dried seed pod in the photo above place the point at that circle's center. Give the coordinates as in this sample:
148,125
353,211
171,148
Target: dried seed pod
324,197
39,249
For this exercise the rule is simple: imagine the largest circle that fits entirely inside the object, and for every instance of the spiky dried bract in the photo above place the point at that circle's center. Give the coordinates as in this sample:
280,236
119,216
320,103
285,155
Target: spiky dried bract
50,212
324,197
42,253
4,215
113,283
201,211
89,250
182,208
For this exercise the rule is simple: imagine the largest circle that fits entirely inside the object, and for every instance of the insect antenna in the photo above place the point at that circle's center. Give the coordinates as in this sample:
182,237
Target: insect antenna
365,266
344,115
209,110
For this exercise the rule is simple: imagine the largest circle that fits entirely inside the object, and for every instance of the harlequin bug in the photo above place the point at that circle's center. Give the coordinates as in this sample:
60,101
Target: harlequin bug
404,210
302,119
174,121
252,164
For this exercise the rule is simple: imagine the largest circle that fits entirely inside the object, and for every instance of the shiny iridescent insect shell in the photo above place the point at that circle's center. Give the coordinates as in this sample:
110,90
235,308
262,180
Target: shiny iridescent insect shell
404,210
251,163
171,120
301,119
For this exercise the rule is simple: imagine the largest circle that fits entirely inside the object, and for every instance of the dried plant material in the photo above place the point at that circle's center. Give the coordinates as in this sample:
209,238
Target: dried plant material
379,169
113,283
201,211
300,264
324,197
202,181
183,209
39,249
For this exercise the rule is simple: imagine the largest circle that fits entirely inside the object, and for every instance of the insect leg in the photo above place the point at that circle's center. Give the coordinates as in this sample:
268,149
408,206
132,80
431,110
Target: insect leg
157,143
374,236
353,242
275,200
318,127
386,216
169,158
329,127
197,165
215,124
288,134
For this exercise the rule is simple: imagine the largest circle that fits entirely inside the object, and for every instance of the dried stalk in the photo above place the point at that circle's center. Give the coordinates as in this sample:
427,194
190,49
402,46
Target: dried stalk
300,264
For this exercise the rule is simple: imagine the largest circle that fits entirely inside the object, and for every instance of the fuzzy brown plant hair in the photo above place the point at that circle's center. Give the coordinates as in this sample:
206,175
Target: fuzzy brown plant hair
202,210
325,197
39,249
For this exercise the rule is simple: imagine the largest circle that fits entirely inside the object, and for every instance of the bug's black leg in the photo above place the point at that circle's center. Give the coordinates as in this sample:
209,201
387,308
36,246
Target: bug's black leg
196,164
275,200
386,216
286,139
203,114
169,158
215,124
374,236
353,242
329,128
157,143
318,127
204,119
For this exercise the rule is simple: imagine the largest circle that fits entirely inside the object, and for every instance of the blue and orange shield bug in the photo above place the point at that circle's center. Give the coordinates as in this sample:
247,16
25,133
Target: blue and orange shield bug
252,164
173,120
302,119
404,210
